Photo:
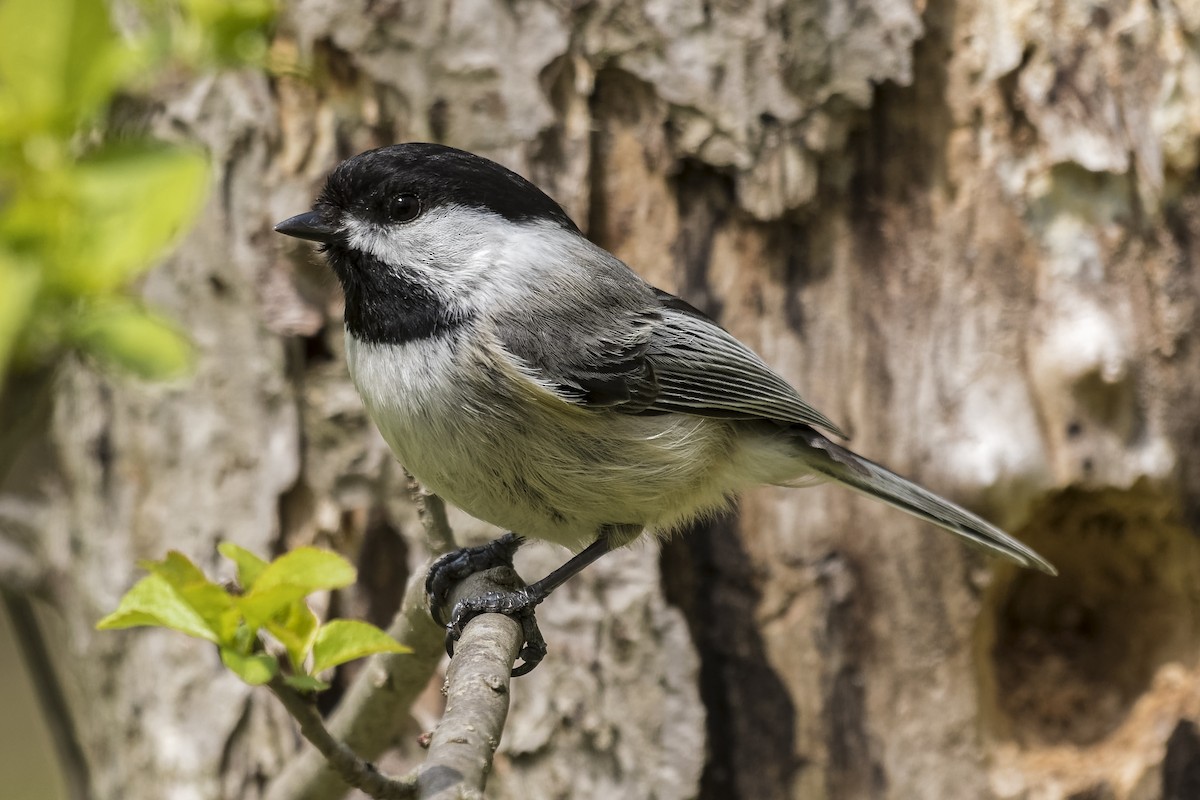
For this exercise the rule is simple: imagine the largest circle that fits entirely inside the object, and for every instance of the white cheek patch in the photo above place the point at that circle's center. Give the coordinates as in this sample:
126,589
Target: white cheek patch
476,260
448,249
377,241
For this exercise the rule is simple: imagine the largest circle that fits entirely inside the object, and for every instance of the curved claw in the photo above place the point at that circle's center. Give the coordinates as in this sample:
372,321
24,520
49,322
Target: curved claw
519,606
535,646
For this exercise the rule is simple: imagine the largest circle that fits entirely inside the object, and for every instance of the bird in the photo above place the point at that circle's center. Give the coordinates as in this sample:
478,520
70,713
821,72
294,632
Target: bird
534,380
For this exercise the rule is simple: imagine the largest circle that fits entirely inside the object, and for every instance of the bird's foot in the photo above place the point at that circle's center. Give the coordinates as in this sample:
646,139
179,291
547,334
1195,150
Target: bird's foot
451,568
519,603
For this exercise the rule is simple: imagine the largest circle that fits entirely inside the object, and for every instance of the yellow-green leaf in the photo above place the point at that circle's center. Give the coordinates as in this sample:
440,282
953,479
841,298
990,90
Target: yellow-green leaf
306,683
136,340
153,601
292,577
235,30
254,669
60,61
19,281
249,566
176,568
210,601
263,603
296,629
344,640
132,202
307,568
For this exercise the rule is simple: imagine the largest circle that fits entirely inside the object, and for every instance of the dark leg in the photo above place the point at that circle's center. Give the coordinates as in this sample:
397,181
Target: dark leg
540,590
518,604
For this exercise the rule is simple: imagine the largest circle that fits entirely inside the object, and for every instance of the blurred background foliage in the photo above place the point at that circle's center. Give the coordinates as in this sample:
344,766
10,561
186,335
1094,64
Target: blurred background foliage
83,214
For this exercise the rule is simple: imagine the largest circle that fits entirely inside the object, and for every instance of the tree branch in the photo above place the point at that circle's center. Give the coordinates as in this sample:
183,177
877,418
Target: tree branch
352,769
461,750
376,705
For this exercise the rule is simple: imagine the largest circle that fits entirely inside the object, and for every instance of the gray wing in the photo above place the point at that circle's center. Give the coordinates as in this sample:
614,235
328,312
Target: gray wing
660,357
606,371
702,369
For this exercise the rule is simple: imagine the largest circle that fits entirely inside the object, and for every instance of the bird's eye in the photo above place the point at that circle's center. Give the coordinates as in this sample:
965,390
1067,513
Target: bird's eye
404,207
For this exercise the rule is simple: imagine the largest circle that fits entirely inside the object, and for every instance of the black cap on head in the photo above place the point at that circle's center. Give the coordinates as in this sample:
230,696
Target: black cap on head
438,176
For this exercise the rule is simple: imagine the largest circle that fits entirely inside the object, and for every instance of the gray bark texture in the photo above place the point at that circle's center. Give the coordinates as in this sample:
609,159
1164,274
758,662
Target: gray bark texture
967,230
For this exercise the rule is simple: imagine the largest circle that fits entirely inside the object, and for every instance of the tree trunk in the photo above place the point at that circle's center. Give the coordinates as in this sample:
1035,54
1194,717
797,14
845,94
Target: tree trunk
967,231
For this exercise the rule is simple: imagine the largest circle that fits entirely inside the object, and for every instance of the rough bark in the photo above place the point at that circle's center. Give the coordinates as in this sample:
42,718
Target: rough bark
967,230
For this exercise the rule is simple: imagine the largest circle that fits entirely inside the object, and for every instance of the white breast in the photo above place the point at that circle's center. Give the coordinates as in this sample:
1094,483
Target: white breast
450,415
476,431
407,390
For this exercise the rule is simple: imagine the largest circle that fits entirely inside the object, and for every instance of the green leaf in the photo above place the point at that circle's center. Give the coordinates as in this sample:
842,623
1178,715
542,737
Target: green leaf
132,202
244,639
309,569
292,577
343,640
262,604
296,629
153,601
254,669
60,61
19,282
306,683
249,566
176,568
209,600
235,30
135,340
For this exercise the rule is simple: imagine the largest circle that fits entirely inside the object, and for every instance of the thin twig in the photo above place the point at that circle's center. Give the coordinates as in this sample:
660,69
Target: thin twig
352,769
375,707
431,510
461,749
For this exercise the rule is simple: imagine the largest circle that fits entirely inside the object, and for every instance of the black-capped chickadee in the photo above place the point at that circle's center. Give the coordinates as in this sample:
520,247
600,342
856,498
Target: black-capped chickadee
532,379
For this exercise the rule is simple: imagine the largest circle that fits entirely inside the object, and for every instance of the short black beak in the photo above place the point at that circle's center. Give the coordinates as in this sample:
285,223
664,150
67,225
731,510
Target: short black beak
309,225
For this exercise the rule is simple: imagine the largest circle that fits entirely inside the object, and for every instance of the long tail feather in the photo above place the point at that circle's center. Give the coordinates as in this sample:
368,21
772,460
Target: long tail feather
852,470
